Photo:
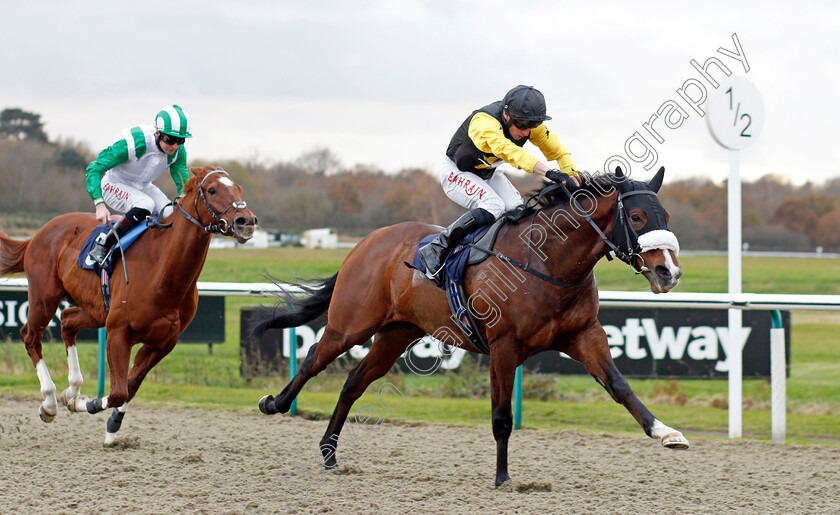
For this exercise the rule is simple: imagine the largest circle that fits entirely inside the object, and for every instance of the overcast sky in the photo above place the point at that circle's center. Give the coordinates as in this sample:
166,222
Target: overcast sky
386,83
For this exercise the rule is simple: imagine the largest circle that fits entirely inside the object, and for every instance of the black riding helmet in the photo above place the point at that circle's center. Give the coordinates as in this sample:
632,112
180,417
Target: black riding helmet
525,103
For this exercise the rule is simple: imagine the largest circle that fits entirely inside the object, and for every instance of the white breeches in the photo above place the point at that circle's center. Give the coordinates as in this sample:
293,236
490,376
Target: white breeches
468,190
122,197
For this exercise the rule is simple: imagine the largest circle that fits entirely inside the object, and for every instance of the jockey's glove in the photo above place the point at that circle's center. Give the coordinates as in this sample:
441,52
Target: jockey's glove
558,176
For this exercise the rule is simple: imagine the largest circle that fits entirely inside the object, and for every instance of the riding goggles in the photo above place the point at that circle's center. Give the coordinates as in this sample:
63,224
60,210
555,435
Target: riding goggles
172,140
525,124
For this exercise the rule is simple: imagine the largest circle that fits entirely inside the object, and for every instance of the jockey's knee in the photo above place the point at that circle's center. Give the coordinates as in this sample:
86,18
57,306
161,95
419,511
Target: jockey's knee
494,206
143,208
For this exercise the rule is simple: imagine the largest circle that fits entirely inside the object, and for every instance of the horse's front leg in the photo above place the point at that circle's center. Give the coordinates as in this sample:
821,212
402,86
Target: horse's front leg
591,348
503,362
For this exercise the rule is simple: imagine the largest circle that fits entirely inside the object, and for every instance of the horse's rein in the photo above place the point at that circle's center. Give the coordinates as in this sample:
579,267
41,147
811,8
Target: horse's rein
222,226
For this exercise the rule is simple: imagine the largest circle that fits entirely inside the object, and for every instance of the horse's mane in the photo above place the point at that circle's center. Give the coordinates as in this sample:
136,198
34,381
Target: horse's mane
598,185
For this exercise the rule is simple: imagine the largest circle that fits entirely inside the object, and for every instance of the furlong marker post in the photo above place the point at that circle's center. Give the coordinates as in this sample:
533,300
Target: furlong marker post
735,116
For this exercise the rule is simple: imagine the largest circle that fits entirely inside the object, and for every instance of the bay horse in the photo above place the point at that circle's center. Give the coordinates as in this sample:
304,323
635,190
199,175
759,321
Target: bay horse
155,305
537,293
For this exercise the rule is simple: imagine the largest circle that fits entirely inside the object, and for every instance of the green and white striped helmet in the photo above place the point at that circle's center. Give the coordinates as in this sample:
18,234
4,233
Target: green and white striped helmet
174,121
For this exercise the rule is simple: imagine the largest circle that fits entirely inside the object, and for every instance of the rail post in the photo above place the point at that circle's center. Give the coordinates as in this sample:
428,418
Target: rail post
103,339
517,396
292,365
778,378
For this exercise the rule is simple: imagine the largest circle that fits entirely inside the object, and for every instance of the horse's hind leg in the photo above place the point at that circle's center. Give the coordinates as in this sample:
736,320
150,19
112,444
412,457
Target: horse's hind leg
388,344
592,349
73,319
332,345
39,315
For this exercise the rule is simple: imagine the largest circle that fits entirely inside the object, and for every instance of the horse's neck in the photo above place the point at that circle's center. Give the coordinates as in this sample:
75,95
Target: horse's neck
184,249
570,246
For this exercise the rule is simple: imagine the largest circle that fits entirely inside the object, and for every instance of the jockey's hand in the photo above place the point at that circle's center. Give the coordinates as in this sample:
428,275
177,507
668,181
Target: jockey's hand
558,176
102,213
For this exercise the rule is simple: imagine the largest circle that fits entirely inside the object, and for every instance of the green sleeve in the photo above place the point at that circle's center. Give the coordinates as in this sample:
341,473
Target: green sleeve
179,171
112,156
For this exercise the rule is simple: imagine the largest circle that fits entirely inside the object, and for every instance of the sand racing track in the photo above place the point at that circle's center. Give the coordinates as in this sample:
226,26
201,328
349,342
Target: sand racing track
194,461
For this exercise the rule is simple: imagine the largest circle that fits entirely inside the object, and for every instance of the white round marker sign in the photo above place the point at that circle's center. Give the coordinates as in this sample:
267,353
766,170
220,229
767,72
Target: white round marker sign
735,113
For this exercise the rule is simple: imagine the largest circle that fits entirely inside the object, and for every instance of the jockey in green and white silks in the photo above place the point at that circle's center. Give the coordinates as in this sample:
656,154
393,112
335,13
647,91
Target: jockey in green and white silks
122,174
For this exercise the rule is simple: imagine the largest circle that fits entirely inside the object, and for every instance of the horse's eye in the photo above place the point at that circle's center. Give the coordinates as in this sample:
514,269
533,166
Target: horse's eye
212,190
636,218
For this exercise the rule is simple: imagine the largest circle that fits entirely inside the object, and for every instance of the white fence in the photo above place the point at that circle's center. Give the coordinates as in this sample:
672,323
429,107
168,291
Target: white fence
744,301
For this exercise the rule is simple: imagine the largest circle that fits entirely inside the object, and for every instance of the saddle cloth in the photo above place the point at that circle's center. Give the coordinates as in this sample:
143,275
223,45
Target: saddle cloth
457,261
84,261
463,254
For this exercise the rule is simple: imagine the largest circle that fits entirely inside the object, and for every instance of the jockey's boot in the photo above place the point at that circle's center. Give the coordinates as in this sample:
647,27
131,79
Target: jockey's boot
106,240
434,254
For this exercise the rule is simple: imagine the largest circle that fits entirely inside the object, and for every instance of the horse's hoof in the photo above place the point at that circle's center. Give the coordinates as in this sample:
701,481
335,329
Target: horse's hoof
267,405
109,438
503,480
65,399
46,417
675,441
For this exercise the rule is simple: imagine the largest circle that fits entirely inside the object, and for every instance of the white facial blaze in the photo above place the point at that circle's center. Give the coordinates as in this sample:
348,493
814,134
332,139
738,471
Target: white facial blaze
669,263
227,182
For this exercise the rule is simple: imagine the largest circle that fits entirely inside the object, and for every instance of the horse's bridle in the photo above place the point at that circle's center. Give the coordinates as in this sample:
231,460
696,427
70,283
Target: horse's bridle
221,226
621,221
631,254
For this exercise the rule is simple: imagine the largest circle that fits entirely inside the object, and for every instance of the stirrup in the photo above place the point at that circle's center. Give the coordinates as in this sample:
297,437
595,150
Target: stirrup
436,277
152,223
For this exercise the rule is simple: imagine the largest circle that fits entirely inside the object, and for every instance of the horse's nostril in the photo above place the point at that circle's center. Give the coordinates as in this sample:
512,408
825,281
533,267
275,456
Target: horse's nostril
663,272
241,220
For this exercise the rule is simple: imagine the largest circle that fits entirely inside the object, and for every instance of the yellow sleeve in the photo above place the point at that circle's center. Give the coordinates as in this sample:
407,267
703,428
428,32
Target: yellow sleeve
487,135
549,145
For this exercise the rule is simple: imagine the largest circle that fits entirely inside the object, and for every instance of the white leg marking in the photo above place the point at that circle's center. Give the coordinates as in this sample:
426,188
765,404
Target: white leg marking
47,388
105,402
669,437
74,376
79,404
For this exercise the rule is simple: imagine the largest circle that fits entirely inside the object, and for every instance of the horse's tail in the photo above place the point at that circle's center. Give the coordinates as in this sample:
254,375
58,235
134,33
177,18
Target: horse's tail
293,310
11,254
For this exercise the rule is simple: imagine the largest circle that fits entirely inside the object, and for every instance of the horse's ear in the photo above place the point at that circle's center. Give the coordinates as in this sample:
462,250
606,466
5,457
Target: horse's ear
621,180
193,170
656,182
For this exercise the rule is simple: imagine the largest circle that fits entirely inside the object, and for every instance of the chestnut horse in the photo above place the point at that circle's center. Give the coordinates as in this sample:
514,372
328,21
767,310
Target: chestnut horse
537,293
154,307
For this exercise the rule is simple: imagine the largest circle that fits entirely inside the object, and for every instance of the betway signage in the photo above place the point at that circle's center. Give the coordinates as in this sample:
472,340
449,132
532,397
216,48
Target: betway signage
691,343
